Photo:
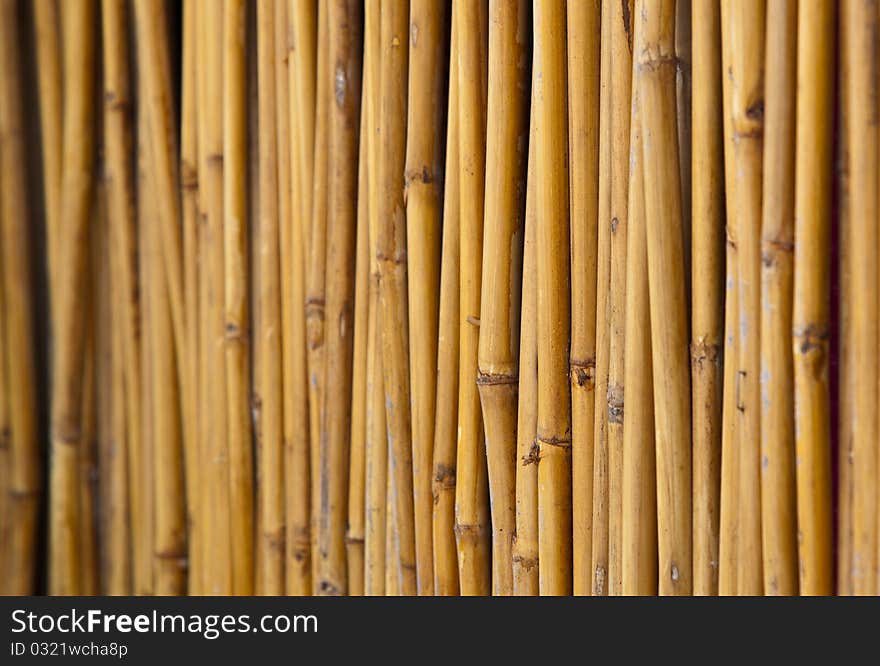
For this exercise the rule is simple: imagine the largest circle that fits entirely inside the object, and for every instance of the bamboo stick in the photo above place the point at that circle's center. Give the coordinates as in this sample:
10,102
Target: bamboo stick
728,503
376,454
270,491
422,193
552,251
445,436
778,508
392,259
345,53
860,26
847,356
24,482
189,185
597,577
315,277
236,306
667,288
5,449
214,440
498,353
745,30
301,68
638,556
707,290
683,105
78,159
621,85
354,534
48,44
526,571
583,24
815,81
472,528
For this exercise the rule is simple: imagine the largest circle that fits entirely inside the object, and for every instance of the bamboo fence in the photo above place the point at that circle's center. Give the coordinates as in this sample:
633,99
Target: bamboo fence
439,297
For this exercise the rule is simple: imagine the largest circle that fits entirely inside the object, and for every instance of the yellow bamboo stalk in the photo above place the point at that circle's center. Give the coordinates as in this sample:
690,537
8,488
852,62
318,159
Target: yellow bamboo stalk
235,272
315,277
860,26
471,490
189,185
48,45
354,534
778,509
683,107
848,357
24,482
376,453
584,23
422,192
552,253
268,329
345,50
638,557
813,156
445,431
707,290
621,84
498,353
392,545
525,543
595,581
745,31
666,278
728,502
301,69
214,441
78,159
392,259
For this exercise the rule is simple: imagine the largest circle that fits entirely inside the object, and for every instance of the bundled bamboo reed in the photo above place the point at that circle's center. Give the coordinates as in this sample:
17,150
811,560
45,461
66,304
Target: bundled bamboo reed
345,297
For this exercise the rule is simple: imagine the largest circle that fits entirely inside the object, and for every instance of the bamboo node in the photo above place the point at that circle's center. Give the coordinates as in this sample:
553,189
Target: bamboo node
812,338
703,352
275,540
114,104
495,379
235,333
444,479
384,258
354,540
583,372
615,403
418,176
189,176
5,437
468,531
533,455
473,321
329,588
67,435
215,160
525,563
772,247
560,442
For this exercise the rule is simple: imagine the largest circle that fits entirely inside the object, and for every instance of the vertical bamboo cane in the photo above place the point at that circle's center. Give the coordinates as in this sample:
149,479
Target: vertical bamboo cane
48,44
301,67
728,503
815,85
860,27
707,290
621,85
498,355
18,319
422,192
583,125
638,557
471,502
5,449
745,30
271,489
597,578
445,435
554,397
667,288
214,436
235,272
189,185
315,278
354,534
778,508
376,454
525,544
78,160
345,55
683,106
392,258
